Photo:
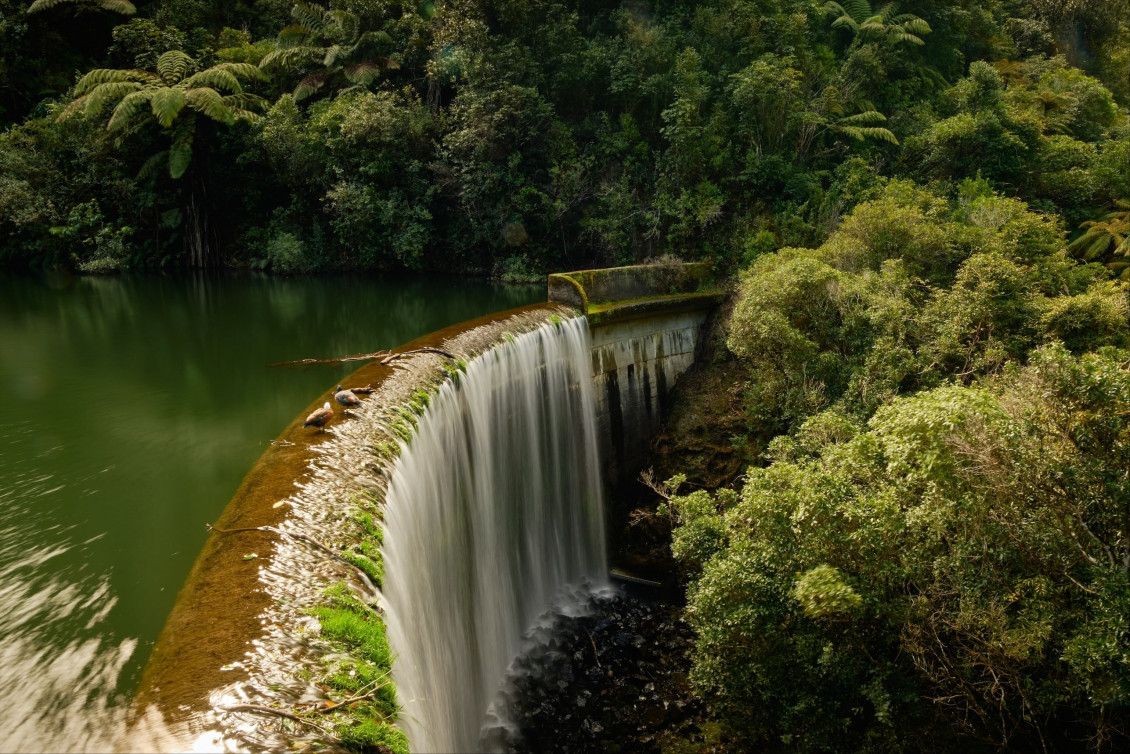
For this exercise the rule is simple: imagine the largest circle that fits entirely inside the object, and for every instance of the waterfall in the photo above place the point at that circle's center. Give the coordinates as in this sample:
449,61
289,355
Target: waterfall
492,509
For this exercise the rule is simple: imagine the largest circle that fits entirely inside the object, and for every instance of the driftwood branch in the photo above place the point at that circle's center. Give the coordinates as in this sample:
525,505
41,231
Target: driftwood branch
383,357
300,537
303,718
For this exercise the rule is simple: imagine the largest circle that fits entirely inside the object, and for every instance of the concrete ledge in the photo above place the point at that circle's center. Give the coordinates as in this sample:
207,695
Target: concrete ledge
646,323
604,291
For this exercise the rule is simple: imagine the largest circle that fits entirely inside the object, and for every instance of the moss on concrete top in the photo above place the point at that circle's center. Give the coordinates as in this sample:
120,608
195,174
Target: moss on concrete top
617,292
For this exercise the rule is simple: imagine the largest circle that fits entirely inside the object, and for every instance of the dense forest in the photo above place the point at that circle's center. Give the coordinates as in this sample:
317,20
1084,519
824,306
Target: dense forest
515,138
925,210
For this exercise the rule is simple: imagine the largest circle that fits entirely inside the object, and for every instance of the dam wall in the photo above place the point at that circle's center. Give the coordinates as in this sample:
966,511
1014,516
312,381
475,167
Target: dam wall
646,324
248,659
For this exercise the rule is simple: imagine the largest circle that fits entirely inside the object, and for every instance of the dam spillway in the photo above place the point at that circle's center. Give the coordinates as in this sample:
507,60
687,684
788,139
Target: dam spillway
493,507
480,458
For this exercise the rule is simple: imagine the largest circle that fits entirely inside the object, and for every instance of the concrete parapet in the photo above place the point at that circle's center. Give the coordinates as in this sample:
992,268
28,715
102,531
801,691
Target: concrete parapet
617,292
646,323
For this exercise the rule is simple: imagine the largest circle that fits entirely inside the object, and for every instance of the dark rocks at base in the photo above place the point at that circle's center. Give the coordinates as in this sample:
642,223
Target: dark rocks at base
614,680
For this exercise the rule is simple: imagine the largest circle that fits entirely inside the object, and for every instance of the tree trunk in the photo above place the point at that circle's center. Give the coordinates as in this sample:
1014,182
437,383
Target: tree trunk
197,232
199,235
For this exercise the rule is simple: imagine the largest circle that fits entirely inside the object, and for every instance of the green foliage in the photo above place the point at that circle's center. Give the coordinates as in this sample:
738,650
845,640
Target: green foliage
116,6
1107,239
332,39
967,546
909,291
361,667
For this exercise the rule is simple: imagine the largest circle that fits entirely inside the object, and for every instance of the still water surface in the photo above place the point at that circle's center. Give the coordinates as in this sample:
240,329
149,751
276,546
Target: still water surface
132,408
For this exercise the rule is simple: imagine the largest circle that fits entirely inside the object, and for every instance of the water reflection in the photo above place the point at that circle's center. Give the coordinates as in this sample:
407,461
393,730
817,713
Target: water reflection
133,407
61,665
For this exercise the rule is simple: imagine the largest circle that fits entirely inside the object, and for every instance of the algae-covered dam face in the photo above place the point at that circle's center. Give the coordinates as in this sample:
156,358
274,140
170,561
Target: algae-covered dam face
369,585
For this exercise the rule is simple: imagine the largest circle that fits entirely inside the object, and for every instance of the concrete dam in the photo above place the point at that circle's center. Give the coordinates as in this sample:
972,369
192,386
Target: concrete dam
403,553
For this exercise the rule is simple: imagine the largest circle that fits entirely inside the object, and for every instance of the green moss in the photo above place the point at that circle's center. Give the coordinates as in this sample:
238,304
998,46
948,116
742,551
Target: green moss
386,450
358,630
453,370
372,568
402,429
375,736
368,525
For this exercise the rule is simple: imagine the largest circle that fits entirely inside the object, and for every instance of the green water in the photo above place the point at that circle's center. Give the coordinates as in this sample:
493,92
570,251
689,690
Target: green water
132,408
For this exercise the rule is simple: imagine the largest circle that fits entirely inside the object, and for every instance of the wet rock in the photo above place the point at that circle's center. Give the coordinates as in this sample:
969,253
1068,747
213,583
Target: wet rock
619,683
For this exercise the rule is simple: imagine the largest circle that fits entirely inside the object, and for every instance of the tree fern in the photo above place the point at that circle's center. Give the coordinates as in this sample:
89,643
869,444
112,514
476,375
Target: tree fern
131,105
211,103
165,95
173,66
333,40
1106,238
166,104
862,20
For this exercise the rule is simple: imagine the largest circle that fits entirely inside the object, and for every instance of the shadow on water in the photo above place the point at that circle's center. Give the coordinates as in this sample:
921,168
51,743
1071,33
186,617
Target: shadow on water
133,408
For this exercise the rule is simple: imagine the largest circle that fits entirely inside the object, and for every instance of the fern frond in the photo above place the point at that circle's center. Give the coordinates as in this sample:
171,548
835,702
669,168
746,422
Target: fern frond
859,9
887,11
41,5
866,117
874,23
309,15
166,104
245,102
309,85
149,167
916,25
346,22
242,70
109,75
334,56
210,102
104,94
214,78
129,108
180,153
363,73
378,41
76,105
1089,246
290,56
173,65
901,36
295,35
860,133
117,6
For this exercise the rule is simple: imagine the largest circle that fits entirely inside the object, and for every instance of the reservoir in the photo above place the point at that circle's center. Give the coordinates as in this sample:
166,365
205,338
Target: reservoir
132,408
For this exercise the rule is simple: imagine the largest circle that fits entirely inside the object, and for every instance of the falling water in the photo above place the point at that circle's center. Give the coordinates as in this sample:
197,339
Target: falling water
493,510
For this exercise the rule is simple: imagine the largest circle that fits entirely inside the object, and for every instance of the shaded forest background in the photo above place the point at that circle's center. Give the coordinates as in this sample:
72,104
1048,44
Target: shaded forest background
513,138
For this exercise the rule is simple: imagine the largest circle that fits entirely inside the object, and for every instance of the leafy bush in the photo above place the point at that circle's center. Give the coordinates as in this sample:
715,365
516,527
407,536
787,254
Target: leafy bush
954,570
909,291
